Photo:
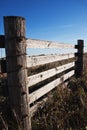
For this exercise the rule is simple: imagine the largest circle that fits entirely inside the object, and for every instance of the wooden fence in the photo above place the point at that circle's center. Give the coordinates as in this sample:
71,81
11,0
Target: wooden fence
31,78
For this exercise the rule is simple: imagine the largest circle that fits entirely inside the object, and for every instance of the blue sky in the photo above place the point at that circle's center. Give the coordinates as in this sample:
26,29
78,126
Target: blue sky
57,20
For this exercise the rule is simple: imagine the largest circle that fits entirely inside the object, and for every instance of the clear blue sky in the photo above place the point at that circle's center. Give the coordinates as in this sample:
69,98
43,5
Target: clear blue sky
57,20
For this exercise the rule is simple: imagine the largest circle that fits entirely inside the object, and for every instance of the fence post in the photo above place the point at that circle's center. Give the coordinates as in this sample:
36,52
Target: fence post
2,43
2,60
15,46
79,56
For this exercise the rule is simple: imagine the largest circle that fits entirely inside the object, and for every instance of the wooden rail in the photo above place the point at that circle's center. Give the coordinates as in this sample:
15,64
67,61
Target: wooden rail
32,43
45,89
24,90
34,79
41,60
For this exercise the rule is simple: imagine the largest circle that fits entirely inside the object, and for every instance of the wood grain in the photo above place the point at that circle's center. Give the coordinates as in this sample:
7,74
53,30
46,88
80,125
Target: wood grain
45,89
32,80
41,60
15,46
32,43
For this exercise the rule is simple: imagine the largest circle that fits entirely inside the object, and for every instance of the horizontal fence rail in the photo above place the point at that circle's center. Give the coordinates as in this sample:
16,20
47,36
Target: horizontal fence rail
32,43
35,43
34,79
47,88
40,60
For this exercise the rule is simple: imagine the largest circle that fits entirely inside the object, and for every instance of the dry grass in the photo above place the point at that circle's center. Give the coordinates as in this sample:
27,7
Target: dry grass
67,109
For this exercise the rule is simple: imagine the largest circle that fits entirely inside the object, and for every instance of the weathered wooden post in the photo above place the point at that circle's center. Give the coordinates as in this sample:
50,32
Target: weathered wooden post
1,46
2,60
2,41
79,62
15,45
